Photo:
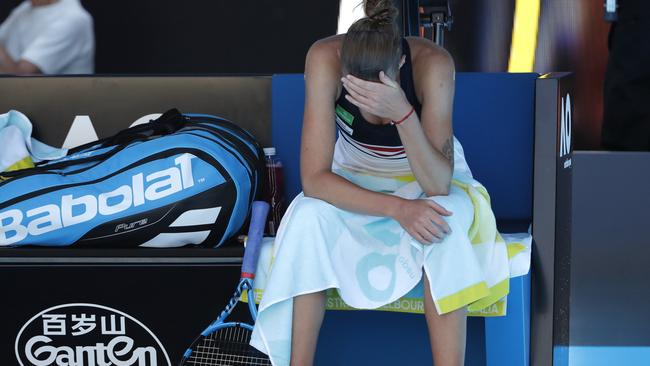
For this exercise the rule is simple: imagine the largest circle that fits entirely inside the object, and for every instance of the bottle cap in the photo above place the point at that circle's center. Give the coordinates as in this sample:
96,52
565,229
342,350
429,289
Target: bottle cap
269,151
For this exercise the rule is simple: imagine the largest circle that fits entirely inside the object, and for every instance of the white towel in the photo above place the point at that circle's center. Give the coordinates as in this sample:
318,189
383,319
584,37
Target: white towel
16,129
372,262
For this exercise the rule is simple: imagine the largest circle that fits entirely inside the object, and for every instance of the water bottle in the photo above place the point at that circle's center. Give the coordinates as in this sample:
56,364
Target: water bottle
273,191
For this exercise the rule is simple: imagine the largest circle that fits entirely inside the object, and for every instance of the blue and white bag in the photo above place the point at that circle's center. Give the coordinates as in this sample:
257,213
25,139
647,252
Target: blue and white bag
178,180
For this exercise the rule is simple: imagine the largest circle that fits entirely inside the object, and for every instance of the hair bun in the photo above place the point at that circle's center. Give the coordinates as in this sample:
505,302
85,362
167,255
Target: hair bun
381,11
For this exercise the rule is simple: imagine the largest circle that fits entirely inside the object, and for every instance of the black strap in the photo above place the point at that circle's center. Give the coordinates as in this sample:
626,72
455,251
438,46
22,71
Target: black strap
168,123
406,78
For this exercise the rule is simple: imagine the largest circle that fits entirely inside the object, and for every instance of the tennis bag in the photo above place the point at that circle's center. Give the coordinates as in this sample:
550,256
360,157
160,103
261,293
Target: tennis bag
181,179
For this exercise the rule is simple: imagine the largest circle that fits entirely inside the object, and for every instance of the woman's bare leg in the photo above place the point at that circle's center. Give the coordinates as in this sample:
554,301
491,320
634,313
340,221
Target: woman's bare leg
447,332
308,312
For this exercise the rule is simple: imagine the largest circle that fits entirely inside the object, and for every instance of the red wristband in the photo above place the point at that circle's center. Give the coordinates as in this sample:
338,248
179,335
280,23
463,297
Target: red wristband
396,123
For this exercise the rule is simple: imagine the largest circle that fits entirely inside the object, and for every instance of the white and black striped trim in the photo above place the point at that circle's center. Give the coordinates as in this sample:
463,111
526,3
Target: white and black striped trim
377,151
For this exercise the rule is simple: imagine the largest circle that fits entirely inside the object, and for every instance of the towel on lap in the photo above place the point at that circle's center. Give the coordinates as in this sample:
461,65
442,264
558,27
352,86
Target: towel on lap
372,262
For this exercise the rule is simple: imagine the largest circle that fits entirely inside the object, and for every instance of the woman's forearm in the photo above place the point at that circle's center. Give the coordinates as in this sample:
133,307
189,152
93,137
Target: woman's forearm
432,170
346,195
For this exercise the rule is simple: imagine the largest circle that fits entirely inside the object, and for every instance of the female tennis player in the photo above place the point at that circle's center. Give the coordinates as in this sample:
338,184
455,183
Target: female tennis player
355,228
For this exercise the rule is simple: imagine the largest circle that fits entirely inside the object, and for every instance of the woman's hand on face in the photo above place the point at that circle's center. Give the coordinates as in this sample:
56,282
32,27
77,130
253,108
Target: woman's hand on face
385,99
422,219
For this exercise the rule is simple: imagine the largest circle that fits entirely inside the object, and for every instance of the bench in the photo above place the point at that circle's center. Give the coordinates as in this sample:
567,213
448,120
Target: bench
494,120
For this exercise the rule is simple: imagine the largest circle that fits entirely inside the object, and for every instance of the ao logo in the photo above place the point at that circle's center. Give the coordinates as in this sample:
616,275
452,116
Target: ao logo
565,126
82,130
87,335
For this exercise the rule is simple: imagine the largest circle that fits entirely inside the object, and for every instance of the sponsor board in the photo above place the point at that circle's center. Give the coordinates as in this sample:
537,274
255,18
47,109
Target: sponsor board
82,334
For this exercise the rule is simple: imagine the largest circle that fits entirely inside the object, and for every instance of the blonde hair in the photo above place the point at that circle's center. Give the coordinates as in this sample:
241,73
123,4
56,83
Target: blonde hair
373,44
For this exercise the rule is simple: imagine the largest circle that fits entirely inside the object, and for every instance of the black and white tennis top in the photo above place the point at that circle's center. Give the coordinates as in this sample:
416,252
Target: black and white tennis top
370,148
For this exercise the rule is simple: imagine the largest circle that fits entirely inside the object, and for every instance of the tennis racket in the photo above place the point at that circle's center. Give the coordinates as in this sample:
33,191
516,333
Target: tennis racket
226,343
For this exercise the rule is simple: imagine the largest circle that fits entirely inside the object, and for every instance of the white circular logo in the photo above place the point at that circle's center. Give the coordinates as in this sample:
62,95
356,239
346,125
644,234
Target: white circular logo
87,335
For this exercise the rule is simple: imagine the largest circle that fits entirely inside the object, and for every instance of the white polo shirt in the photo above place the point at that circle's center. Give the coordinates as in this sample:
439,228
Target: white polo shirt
58,38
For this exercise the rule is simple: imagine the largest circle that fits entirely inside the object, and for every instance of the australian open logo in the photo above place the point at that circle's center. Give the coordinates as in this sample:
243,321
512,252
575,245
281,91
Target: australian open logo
87,335
565,129
565,126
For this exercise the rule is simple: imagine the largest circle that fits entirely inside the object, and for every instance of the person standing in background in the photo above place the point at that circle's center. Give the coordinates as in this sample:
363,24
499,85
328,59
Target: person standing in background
626,122
47,37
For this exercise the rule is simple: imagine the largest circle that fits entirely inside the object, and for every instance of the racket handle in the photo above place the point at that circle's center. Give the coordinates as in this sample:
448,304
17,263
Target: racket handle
254,243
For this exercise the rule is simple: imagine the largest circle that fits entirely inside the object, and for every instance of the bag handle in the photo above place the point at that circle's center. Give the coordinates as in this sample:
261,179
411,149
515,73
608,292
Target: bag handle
168,123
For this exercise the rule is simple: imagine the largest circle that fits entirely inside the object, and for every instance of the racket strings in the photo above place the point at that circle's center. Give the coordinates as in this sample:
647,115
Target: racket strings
227,347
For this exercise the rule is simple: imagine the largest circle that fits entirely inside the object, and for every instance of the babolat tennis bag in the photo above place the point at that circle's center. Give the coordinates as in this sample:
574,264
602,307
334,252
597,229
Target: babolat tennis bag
178,180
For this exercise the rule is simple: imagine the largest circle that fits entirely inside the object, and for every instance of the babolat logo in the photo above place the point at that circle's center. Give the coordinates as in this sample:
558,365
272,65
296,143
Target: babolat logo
69,210
87,335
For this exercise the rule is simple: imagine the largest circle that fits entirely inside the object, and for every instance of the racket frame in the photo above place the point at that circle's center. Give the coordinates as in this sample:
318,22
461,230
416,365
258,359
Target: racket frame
260,211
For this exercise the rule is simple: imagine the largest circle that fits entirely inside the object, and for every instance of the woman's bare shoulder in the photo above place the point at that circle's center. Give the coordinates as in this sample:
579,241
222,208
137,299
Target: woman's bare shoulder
326,50
432,66
331,41
323,63
427,55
